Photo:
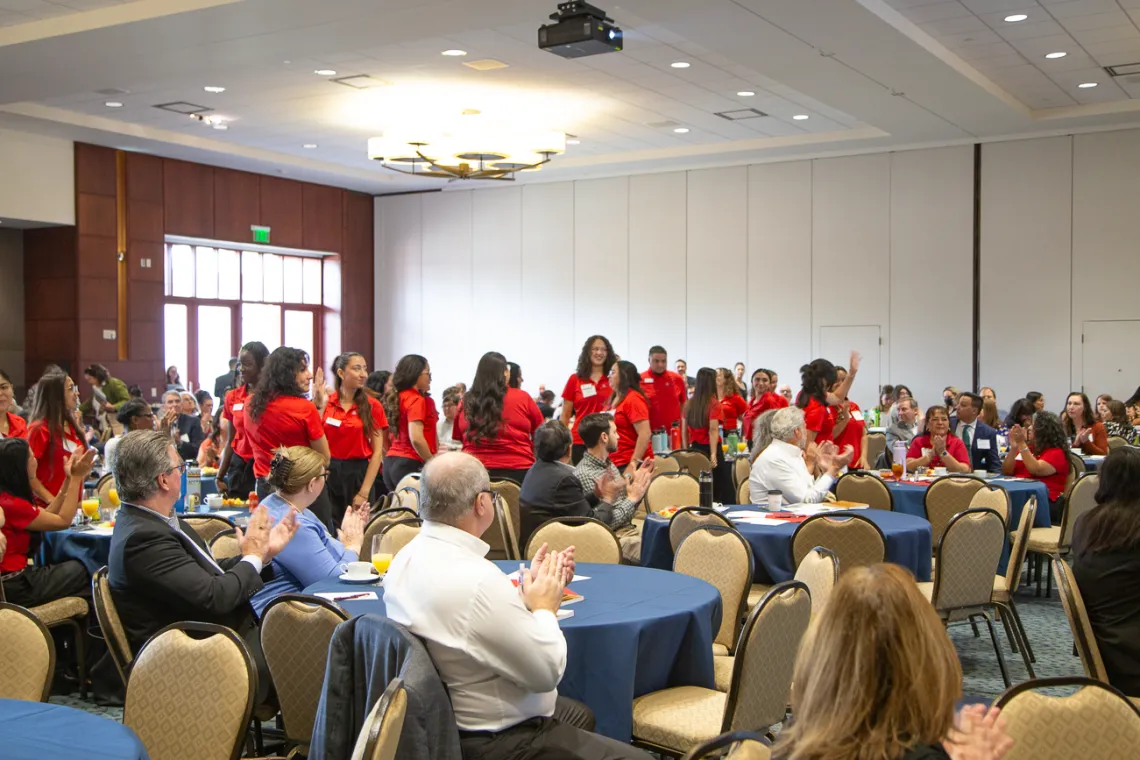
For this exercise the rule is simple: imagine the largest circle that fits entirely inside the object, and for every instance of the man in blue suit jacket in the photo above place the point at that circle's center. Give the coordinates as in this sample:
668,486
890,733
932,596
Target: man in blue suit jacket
980,438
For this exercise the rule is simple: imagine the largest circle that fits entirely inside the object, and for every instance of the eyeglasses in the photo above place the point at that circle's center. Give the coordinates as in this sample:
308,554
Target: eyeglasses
179,468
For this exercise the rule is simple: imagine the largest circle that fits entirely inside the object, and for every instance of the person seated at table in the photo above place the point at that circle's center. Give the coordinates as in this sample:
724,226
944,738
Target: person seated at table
781,467
901,392
992,417
33,585
732,404
297,475
938,447
877,677
498,648
979,438
950,397
1040,452
1021,413
1085,432
1106,566
205,410
54,433
161,572
173,379
988,394
189,404
905,426
1036,400
552,489
886,401
596,472
210,452
135,414
1116,422
445,427
113,391
185,430
12,425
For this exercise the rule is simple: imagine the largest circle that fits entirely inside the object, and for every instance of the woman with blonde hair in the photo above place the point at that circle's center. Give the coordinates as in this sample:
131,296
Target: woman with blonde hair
877,678
992,417
297,475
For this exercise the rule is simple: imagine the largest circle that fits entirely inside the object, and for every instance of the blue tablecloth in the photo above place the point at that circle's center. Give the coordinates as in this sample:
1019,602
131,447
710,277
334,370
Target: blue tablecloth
908,543
636,630
92,549
910,498
1091,463
38,731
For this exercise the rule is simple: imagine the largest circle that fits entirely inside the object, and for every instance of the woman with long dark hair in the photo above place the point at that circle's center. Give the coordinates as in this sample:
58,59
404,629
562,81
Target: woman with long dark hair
378,383
1086,433
700,429
762,397
497,422
11,425
516,378
815,395
1041,452
412,418
357,430
1020,413
33,585
588,389
631,416
278,415
850,427
235,473
1116,422
54,433
731,402
173,379
1036,400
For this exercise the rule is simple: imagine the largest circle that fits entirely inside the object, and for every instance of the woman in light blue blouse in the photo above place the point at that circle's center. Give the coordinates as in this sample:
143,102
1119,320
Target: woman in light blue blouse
297,475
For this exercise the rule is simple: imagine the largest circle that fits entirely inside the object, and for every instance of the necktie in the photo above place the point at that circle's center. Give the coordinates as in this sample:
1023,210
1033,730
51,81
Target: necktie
966,436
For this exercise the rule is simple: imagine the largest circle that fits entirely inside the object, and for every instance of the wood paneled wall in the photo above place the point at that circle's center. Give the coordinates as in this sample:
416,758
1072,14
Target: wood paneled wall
70,272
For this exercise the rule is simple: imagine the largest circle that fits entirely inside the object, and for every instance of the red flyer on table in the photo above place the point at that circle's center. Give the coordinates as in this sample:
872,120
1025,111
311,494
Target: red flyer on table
786,517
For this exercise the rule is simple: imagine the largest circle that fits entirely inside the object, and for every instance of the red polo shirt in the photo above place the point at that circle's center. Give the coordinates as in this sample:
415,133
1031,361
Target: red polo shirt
732,406
819,420
233,407
588,397
18,515
513,447
758,406
17,428
666,394
286,421
633,408
852,434
345,429
1055,482
716,416
954,447
50,470
415,407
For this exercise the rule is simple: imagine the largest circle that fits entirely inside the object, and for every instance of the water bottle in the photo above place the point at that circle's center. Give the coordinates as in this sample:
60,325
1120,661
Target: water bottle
193,488
706,483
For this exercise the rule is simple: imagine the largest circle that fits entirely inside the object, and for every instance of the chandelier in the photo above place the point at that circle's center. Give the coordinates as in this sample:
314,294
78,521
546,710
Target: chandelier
464,156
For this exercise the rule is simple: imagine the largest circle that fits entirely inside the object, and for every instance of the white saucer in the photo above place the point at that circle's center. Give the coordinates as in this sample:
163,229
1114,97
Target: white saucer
346,578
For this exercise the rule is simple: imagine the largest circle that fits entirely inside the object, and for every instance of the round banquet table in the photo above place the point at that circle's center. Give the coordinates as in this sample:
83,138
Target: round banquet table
35,731
908,543
636,630
1092,462
910,498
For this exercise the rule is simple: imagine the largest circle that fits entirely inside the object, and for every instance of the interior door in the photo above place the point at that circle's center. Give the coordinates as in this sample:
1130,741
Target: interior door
1110,361
836,342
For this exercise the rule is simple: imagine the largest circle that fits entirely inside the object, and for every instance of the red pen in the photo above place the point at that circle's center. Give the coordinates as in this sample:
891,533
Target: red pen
352,596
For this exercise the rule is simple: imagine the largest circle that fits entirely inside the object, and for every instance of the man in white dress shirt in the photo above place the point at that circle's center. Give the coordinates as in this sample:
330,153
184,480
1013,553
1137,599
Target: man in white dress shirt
498,648
781,466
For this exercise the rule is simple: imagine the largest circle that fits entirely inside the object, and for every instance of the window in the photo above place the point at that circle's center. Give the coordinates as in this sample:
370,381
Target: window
218,299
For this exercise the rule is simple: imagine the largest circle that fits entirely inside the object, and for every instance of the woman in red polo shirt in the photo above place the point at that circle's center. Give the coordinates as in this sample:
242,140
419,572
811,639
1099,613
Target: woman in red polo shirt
850,428
700,427
937,446
815,396
1041,452
11,425
762,398
357,431
631,415
731,402
278,415
412,418
33,585
496,422
54,433
235,474
588,389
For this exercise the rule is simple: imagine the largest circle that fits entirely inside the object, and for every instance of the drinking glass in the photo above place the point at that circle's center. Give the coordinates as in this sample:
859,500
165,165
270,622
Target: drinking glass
380,560
897,469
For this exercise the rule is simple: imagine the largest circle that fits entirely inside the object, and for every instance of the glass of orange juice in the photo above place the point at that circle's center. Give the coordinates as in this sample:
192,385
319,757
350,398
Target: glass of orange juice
380,560
741,446
113,497
90,508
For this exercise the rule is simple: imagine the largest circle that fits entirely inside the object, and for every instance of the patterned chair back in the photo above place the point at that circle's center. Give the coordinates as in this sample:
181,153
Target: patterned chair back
1096,721
876,445
1115,442
685,521
215,675
399,534
819,571
721,557
27,655
855,540
104,487
692,462
208,527
1076,468
1020,546
380,735
225,545
498,535
672,489
411,480
110,623
665,464
407,497
743,493
865,488
741,470
992,497
968,556
593,541
1081,499
765,658
734,745
377,525
1083,637
946,497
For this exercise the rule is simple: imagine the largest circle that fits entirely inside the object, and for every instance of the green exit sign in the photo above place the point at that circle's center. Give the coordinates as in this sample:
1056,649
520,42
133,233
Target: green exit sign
260,234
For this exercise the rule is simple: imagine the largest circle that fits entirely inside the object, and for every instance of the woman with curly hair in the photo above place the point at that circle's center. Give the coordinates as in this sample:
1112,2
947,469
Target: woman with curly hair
412,419
588,389
1041,452
1084,430
235,473
497,422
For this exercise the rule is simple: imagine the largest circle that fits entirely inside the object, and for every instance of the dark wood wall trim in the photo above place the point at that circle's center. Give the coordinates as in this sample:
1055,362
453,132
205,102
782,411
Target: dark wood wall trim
977,315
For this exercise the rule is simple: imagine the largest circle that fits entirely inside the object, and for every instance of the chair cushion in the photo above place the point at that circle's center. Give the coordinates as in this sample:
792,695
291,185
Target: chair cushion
722,668
59,610
756,593
720,650
679,718
1045,540
927,590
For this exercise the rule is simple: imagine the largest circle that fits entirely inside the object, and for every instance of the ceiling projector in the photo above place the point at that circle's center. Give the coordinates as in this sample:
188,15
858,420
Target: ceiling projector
579,30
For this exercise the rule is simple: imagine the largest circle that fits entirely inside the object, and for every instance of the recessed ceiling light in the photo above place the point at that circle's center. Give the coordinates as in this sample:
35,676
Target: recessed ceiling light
746,93
1016,17
680,64
113,104
800,116
1051,56
573,142
309,146
214,89
221,126
681,130
454,52
1087,85
325,73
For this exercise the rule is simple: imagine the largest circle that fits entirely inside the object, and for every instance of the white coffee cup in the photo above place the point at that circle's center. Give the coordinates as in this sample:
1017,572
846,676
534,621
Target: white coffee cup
775,501
940,471
360,570
214,500
981,473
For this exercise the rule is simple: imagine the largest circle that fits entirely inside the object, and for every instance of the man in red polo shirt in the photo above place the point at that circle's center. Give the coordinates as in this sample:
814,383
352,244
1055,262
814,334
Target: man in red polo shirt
664,390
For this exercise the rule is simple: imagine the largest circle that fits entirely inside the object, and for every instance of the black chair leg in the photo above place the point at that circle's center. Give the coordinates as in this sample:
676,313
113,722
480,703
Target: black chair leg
997,650
1004,618
1020,635
974,625
81,658
1021,630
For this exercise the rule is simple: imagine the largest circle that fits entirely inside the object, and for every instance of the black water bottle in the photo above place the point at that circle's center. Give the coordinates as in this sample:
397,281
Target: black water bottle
706,483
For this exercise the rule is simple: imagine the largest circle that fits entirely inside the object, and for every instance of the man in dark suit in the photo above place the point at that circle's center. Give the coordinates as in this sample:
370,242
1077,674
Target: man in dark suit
184,429
161,572
226,382
980,438
551,487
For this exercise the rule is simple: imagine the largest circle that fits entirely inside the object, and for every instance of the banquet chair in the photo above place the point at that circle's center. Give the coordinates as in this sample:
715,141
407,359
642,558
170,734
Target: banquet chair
672,489
678,719
295,633
992,497
743,494
1076,468
1058,539
819,571
665,464
692,462
946,497
687,519
377,525
104,486
1006,585
968,556
506,538
380,735
225,545
855,540
1084,639
876,447
399,534
722,558
1095,721
734,745
741,470
208,527
191,697
114,634
27,655
593,540
865,487
1116,442
411,480
407,497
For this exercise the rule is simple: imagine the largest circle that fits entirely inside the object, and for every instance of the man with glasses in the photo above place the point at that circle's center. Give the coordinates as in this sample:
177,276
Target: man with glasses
161,572
134,414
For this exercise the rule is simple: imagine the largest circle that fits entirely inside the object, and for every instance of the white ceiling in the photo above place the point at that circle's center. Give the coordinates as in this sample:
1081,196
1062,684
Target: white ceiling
870,75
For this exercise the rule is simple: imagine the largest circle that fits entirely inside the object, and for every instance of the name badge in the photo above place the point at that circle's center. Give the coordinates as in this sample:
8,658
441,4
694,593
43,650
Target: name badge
1018,457
184,438
647,380
69,445
239,407
589,390
857,416
332,422
983,444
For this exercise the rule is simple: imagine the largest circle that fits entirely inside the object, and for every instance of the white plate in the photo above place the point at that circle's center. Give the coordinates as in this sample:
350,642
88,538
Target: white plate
346,578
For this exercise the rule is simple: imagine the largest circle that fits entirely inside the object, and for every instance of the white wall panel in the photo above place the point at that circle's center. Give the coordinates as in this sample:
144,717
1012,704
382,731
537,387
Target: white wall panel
717,262
931,274
657,272
779,252
1026,260
447,290
496,275
399,280
552,346
39,178
601,260
12,304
